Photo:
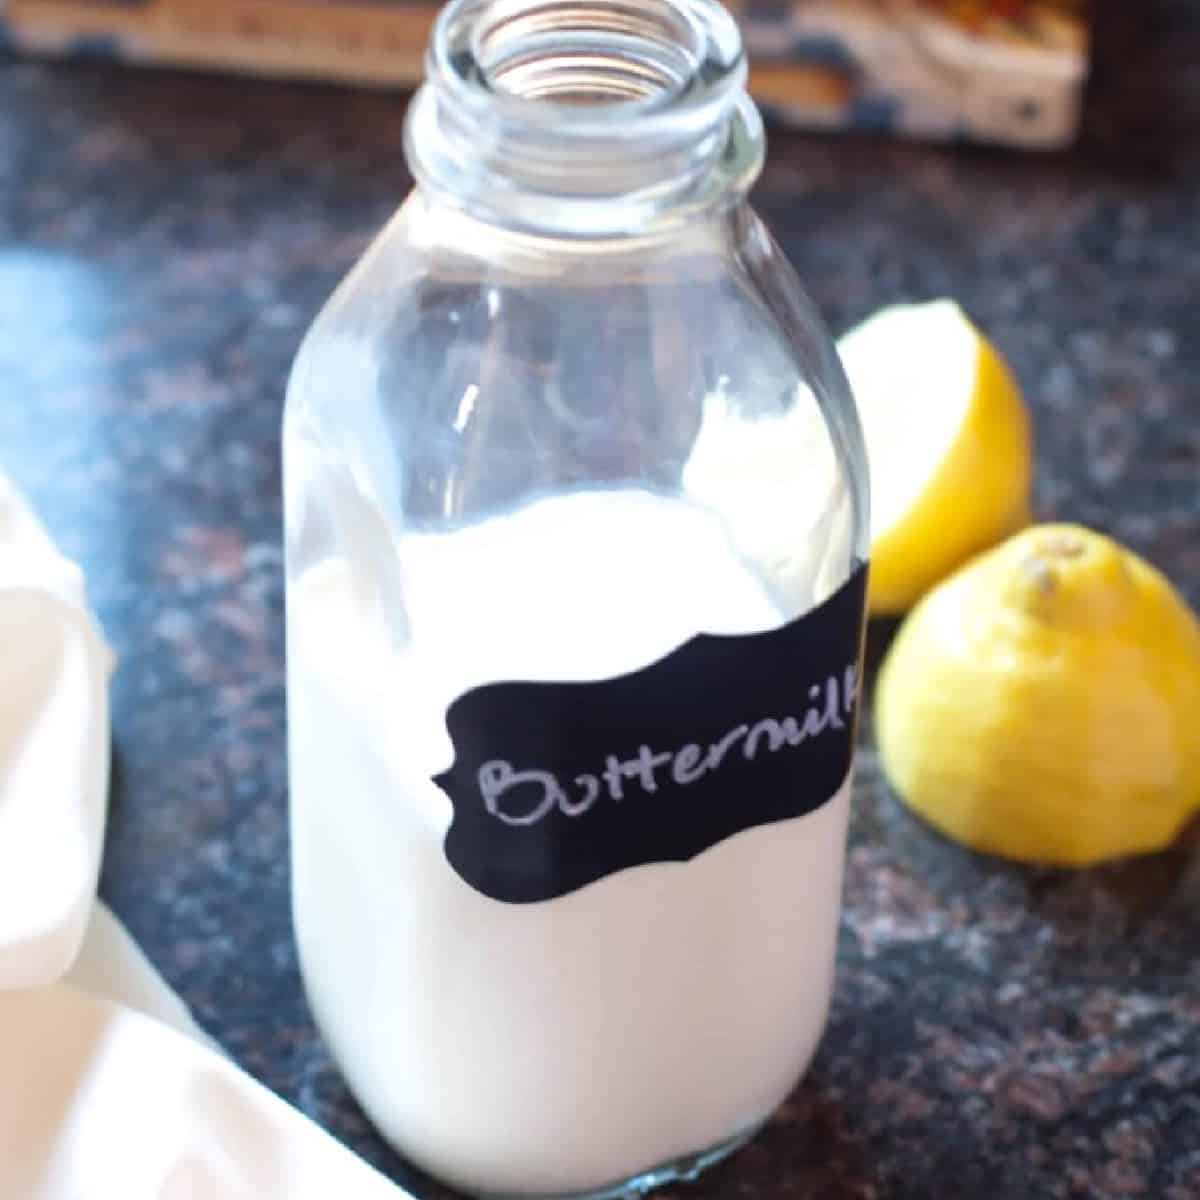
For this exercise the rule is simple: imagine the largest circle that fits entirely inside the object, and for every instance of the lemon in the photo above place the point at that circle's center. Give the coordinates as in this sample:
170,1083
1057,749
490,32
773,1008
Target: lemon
1043,702
948,443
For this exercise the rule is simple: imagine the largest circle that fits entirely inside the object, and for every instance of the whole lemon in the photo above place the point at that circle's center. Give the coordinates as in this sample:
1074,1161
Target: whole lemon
1043,703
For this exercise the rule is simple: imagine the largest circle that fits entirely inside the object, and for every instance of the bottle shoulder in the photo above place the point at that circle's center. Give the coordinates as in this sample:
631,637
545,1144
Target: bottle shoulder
437,294
460,379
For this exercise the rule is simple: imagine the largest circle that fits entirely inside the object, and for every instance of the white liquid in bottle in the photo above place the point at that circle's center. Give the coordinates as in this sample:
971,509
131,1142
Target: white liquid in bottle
554,1046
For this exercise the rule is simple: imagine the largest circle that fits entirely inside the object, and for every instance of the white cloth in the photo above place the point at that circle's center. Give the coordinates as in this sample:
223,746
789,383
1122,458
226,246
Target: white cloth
54,737
111,964
108,1089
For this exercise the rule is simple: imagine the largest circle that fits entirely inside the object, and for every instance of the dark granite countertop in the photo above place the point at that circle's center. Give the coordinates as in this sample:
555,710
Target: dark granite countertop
164,240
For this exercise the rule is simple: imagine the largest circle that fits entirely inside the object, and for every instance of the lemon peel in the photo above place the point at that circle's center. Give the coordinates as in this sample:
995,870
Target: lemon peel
948,442
1043,703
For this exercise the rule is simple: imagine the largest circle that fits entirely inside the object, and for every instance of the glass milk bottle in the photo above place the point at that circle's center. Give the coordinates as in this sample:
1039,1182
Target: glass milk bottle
576,534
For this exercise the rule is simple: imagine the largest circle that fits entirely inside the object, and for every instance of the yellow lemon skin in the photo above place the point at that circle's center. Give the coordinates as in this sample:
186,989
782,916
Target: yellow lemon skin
977,496
948,441
1043,703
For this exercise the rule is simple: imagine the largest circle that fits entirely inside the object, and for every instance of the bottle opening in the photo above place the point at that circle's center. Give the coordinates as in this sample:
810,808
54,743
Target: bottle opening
571,53
589,117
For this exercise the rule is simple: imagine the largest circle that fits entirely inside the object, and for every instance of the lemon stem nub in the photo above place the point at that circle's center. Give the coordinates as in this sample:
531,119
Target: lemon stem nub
1041,573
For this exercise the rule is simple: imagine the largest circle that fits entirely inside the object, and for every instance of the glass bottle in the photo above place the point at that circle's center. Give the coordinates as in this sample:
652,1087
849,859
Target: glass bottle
576,523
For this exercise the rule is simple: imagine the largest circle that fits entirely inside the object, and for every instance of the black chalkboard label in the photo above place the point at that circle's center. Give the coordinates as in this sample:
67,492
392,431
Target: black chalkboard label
556,785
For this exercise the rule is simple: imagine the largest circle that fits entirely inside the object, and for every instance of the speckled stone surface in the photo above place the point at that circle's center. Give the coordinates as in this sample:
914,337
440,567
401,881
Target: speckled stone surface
164,240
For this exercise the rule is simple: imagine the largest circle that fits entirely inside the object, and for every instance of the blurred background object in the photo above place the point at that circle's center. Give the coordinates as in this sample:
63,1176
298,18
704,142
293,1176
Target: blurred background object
1001,71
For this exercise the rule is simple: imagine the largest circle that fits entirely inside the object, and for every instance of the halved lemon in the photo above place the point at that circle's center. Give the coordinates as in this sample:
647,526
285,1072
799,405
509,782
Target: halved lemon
948,443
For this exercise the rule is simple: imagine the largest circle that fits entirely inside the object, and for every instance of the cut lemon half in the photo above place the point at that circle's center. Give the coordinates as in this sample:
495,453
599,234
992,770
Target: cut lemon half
948,443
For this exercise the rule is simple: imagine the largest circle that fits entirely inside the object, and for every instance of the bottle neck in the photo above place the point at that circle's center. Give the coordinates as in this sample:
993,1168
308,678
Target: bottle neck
585,118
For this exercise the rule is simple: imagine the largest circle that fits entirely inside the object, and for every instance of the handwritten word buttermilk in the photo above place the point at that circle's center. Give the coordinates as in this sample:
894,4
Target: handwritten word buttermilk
525,797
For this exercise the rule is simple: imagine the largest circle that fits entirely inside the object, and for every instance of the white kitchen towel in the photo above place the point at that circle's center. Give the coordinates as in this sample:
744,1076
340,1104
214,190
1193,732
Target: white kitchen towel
98,1102
111,964
108,1090
54,741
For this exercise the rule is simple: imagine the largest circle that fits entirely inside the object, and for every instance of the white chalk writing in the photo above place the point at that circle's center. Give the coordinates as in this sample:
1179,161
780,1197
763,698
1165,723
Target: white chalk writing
525,797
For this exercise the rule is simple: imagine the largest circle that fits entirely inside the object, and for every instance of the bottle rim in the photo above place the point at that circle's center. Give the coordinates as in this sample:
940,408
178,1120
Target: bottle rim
584,116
